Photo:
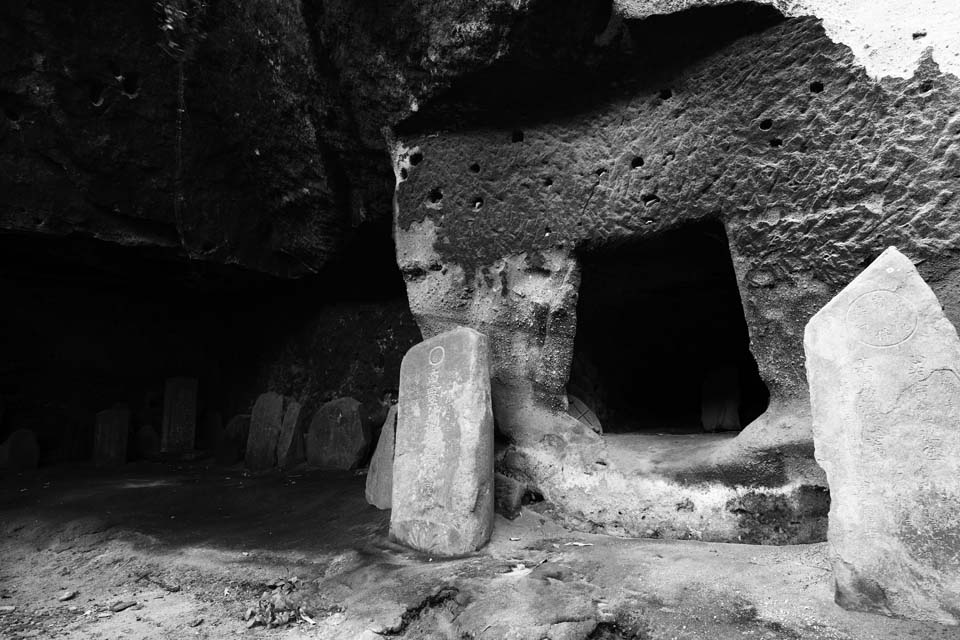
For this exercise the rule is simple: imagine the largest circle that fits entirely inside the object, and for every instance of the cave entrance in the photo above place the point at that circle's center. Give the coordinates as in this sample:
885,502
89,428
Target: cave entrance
662,344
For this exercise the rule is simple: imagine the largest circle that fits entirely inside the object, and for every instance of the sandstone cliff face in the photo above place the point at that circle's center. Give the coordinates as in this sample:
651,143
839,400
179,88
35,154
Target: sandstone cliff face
728,114
242,133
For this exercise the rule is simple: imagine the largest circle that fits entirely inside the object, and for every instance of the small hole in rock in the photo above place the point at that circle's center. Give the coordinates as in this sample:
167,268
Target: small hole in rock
548,182
776,142
403,174
816,86
517,136
12,114
649,199
765,124
919,34
600,172
926,86
666,94
636,163
435,195
546,231
477,203
130,84
416,158
475,167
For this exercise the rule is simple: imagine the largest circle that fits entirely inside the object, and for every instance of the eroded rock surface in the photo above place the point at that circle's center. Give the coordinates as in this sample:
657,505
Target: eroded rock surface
883,363
443,463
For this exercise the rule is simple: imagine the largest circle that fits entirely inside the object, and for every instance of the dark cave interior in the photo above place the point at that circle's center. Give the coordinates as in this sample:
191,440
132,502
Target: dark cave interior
662,344
88,325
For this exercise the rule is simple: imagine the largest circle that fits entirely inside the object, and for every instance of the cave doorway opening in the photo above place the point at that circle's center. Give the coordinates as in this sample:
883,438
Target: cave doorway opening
662,344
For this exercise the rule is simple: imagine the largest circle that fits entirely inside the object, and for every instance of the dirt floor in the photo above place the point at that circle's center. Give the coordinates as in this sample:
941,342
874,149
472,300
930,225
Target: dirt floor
183,551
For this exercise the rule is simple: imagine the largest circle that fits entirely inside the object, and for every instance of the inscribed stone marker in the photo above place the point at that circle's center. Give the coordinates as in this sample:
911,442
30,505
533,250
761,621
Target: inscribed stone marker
110,437
290,441
882,364
265,423
379,489
179,415
443,463
338,437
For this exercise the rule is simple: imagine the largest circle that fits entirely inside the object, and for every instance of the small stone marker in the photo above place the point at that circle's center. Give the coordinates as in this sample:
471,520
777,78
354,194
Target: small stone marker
265,423
232,445
179,415
379,490
882,364
443,464
110,437
290,450
338,437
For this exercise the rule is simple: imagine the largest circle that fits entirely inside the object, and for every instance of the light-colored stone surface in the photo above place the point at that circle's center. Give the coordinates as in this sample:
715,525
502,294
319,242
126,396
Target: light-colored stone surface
379,489
179,415
265,423
443,464
884,35
290,451
883,363
110,437
337,438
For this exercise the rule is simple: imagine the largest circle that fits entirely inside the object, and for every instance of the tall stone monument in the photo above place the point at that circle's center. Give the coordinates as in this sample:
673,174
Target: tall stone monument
443,459
883,364
110,436
179,415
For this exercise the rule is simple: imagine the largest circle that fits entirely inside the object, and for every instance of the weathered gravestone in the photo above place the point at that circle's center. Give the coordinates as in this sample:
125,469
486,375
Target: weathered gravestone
882,364
265,423
379,489
110,437
179,415
290,451
338,437
443,463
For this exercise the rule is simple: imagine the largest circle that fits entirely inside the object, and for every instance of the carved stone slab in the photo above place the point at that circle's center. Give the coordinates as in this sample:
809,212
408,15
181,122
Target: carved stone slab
882,364
265,423
338,437
379,489
443,463
179,415
110,436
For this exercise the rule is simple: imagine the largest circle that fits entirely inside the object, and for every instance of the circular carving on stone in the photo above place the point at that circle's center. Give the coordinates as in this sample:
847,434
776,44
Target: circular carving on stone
436,355
881,319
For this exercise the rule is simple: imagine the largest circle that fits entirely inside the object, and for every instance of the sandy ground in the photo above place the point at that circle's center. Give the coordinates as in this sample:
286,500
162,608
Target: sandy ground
194,550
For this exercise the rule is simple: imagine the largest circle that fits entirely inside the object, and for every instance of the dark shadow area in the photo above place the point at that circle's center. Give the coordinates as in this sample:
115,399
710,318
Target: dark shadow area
662,344
542,80
88,325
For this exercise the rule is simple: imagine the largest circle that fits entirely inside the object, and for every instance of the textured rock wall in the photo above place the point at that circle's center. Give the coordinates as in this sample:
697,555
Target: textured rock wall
731,113
812,166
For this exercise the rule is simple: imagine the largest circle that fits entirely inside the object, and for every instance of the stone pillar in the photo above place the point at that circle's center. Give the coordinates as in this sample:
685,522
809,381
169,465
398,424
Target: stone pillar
338,438
110,437
379,489
883,363
265,423
179,415
443,462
